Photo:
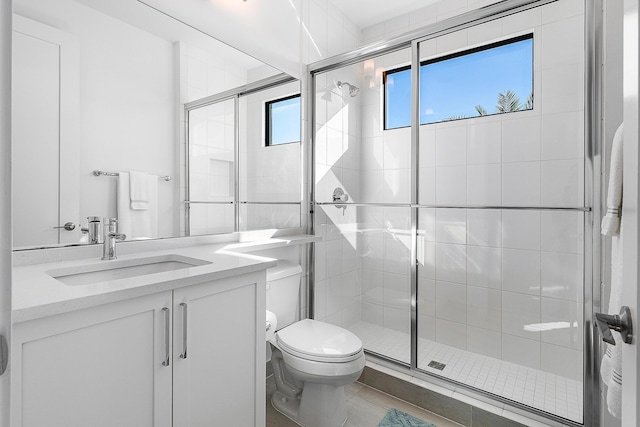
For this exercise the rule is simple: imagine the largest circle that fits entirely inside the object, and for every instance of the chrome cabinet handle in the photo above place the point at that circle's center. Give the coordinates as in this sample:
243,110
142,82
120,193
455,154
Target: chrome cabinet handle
69,226
183,355
167,337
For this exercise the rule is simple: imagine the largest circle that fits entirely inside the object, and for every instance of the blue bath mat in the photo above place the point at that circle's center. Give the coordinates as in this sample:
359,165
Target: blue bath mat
395,418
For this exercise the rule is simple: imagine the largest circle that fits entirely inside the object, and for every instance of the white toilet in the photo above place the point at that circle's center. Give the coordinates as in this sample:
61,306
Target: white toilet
312,361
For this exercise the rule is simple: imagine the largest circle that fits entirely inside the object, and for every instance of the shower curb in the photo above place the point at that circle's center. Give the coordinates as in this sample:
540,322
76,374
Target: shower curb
445,406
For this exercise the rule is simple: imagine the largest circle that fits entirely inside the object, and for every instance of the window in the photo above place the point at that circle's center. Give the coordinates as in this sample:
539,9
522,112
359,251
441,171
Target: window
282,120
492,79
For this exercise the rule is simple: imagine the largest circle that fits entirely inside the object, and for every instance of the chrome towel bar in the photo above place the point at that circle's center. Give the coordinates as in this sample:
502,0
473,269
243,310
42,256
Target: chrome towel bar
103,173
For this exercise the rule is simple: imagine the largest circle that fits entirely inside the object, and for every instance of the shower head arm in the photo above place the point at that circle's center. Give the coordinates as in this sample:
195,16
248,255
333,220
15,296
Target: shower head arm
353,90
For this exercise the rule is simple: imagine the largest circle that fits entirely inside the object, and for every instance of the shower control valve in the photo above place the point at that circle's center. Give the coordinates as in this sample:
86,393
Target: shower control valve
339,195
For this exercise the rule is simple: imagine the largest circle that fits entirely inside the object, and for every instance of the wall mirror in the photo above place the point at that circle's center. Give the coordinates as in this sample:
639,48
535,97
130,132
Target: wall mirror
101,86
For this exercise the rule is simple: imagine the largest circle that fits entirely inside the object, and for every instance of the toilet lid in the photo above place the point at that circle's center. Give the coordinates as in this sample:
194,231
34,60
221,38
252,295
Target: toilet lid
319,340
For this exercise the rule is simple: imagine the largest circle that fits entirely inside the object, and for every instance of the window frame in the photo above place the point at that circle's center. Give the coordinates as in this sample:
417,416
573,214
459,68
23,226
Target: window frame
268,124
449,56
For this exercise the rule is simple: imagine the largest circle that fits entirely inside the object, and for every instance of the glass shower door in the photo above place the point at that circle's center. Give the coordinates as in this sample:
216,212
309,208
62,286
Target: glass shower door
501,209
363,213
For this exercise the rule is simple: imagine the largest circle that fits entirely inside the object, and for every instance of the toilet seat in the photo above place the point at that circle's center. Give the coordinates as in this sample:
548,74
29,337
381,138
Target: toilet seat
318,341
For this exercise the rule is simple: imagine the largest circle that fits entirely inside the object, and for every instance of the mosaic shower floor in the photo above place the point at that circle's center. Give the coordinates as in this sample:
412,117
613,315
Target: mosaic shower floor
532,387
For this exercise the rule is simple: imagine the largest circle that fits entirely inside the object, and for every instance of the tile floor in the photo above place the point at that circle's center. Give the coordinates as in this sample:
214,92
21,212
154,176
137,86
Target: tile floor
551,393
366,407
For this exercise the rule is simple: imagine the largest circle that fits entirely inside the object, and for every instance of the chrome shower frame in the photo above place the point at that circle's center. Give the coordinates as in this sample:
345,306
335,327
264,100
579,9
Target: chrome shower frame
593,197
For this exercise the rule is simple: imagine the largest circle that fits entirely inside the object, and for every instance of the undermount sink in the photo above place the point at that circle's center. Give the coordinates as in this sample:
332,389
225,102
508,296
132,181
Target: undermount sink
122,269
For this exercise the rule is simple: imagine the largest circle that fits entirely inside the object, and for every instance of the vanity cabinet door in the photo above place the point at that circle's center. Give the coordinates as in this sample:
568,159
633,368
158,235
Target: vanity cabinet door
98,367
219,365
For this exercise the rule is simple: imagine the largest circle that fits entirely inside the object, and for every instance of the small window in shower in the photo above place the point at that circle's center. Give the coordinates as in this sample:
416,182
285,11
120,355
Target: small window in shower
282,120
492,79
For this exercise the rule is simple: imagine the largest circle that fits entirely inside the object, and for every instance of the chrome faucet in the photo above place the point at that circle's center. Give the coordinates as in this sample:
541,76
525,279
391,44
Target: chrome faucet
111,236
93,229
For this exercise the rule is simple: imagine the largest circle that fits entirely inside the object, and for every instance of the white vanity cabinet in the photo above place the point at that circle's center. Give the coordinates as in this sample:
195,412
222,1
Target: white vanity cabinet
222,378
106,366
99,367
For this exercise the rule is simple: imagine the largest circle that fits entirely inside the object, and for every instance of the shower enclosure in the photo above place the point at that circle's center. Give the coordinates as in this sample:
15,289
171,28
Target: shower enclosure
454,190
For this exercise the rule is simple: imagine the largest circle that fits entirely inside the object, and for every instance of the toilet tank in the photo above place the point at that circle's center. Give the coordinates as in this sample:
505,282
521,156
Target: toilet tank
283,290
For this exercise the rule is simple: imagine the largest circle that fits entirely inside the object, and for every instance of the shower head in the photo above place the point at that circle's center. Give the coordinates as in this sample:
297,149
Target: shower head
353,90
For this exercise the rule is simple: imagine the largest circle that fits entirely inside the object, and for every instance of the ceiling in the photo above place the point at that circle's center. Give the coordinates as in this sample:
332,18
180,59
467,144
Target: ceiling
365,13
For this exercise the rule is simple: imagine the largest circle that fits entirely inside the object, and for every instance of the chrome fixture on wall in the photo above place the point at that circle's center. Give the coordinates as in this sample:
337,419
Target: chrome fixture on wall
353,90
340,196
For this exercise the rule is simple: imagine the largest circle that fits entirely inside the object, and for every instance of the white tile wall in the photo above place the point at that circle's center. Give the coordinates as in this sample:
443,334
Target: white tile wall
521,184
451,144
453,334
521,229
520,350
520,315
451,226
483,185
484,267
451,263
562,275
484,308
484,342
562,323
484,142
452,302
521,140
451,185
521,271
483,227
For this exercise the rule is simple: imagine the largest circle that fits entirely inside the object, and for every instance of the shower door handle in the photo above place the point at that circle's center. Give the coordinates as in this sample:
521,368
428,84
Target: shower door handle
620,323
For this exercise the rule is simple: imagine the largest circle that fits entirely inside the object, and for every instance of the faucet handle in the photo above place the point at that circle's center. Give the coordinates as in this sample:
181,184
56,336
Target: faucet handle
118,236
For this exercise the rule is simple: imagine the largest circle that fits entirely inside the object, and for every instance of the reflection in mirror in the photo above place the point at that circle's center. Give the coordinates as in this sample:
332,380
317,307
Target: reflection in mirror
101,86
249,184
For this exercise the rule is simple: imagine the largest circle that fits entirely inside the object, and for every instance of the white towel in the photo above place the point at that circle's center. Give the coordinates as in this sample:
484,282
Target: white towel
137,224
613,225
611,221
139,190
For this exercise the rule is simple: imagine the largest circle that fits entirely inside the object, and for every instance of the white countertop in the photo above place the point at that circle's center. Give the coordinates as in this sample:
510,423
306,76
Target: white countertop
37,294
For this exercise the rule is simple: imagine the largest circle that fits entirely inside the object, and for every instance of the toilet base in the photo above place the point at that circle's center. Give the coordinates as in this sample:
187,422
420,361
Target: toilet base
320,405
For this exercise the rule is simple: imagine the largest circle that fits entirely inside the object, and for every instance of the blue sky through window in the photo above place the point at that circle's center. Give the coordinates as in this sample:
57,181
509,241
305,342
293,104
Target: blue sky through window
284,121
452,87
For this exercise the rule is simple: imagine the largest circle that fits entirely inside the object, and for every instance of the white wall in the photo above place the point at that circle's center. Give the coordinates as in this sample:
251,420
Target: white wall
283,33
5,195
419,18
